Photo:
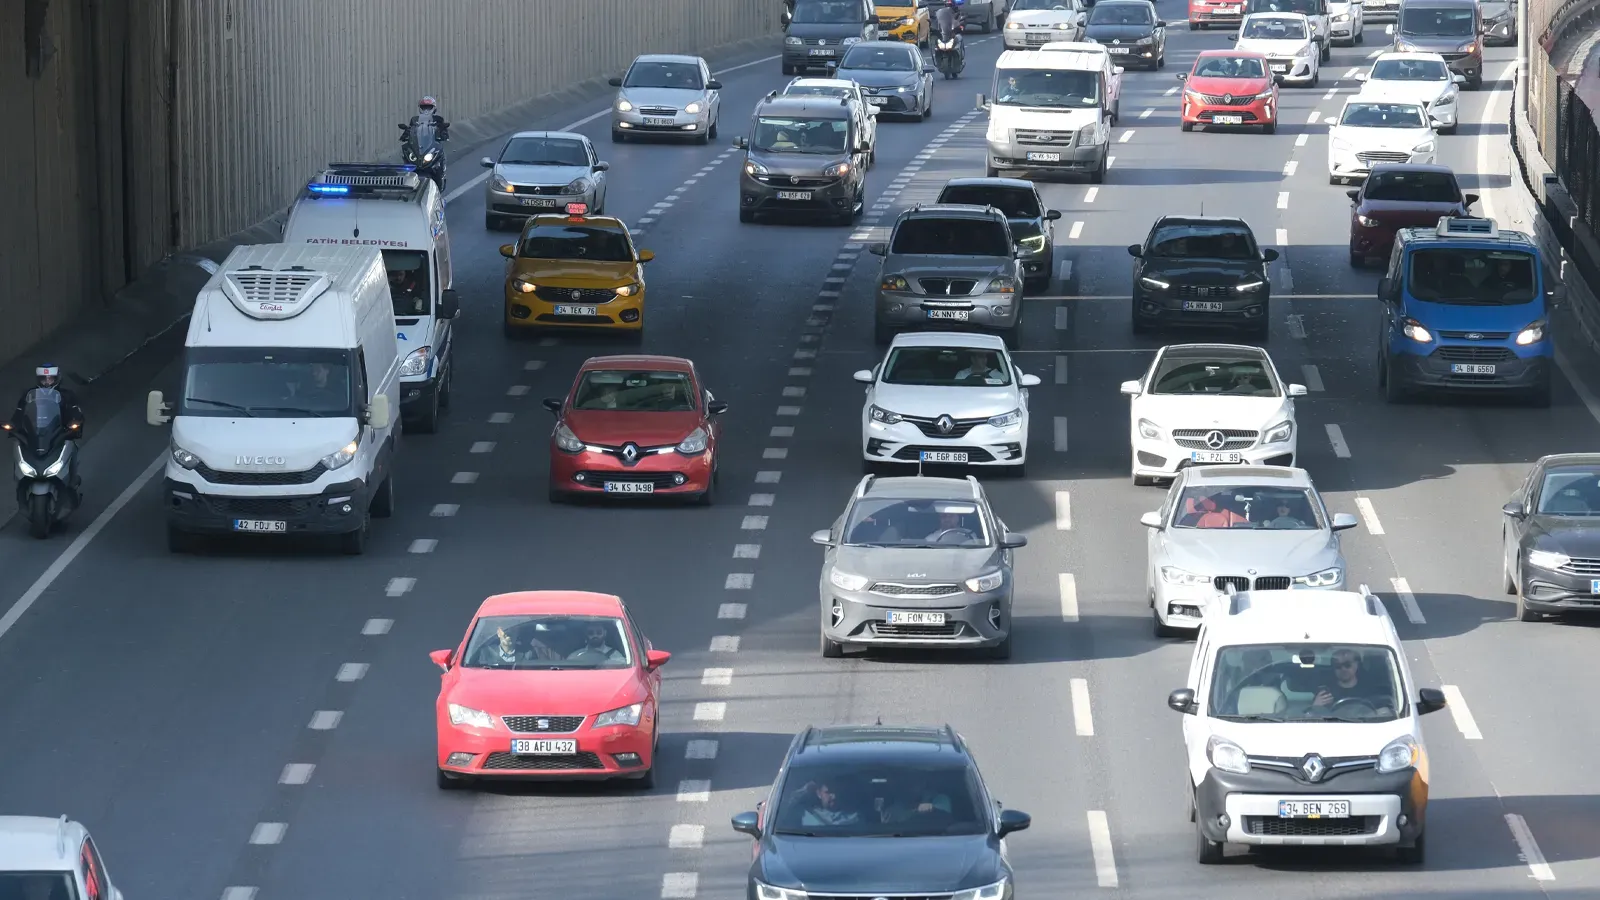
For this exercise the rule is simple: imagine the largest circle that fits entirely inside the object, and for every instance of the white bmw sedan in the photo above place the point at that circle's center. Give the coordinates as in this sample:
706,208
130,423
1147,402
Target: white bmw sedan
1423,78
1372,131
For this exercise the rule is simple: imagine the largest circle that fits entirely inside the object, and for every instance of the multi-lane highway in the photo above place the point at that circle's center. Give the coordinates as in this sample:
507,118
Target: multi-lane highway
261,720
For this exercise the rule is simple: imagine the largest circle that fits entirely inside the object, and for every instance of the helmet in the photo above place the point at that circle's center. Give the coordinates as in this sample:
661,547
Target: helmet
427,104
47,376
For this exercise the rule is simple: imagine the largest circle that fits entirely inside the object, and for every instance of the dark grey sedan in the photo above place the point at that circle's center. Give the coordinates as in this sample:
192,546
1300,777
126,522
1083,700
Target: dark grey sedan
1551,537
893,77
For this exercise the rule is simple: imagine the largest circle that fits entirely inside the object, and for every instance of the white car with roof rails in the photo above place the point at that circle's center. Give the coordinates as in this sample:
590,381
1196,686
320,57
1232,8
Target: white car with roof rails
1422,78
1109,70
1288,43
1210,404
1034,23
1372,130
866,113
51,859
1302,726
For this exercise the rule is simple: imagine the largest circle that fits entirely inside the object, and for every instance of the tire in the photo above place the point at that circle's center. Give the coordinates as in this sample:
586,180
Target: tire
447,381
647,781
1099,175
1357,260
1141,325
788,69
1192,26
1316,77
427,422
747,216
1327,53
1160,628
991,171
1206,851
1001,650
354,543
1414,855
383,499
447,782
1143,481
831,649
1524,614
1393,390
1161,61
40,517
1475,85
1187,126
1361,36
712,131
703,138
708,496
882,334
492,222
928,113
1450,130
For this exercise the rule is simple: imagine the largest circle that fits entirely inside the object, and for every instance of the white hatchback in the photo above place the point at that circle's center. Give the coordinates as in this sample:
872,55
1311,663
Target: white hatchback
1287,41
1371,130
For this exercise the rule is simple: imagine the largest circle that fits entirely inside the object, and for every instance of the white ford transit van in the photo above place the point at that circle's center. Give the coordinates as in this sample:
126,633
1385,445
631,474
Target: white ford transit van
1049,112
283,422
401,213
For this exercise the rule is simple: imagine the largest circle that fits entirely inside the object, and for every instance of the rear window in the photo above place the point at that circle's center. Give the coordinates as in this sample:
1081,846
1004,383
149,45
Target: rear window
951,237
1415,187
38,886
1015,203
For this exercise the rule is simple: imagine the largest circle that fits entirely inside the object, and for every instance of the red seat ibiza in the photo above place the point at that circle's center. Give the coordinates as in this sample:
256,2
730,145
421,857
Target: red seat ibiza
1230,87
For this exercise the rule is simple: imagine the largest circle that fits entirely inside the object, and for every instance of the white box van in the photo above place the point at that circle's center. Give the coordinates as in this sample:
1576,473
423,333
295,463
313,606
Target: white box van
1049,112
401,213
283,424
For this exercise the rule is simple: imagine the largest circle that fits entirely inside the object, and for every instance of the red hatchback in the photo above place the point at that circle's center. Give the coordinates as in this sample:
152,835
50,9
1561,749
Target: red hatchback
635,425
549,684
1230,87
1401,195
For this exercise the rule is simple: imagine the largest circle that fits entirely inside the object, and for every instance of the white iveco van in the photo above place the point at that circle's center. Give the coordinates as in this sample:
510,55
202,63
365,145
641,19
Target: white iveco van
394,209
282,424
1049,113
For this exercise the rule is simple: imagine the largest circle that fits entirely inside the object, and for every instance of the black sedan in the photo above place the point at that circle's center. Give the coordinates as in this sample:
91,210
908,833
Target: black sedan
1019,200
1131,31
877,810
1201,270
893,77
1551,537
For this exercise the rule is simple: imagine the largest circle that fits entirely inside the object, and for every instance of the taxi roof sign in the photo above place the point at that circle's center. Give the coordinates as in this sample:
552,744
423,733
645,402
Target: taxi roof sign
577,209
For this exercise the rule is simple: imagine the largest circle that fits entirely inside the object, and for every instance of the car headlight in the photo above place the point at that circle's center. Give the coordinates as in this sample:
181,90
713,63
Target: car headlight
847,582
836,170
566,441
1342,17
179,455
498,182
466,715
341,457
416,362
1002,284
630,289
1446,100
1145,41
1279,433
1227,756
894,283
1149,430
523,285
1424,147
55,468
768,892
908,20
1533,334
1307,50
428,157
576,186
625,106
695,443
987,892
1255,284
1414,330
850,41
692,108
907,88
1325,578
1033,244
1401,753
1468,47
1183,577
1154,283
793,41
1013,26
983,584
1006,420
1404,46
1366,222
627,715
1339,144
879,414
1265,95
1548,559
751,168
1063,26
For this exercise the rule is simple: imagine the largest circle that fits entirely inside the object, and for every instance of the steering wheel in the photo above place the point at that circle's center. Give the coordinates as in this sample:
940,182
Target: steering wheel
940,535
1372,707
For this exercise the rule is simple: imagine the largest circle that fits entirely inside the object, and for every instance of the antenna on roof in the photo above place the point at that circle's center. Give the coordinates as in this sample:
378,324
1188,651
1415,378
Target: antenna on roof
880,720
1202,207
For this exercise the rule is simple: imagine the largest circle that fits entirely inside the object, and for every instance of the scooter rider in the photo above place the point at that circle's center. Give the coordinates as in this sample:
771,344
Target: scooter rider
948,23
428,113
49,378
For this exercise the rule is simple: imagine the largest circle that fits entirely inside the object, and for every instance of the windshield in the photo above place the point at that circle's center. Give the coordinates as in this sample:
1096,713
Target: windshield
543,151
1229,67
1248,506
1231,377
897,798
1042,4
817,90
573,241
681,75
1050,88
1015,203
1472,277
41,409
1409,70
887,522
1414,187
946,367
1275,29
1383,115
821,136
37,886
1303,7
272,383
828,12
1122,14
951,237
882,59
1439,21
408,282
547,642
1306,683
1202,241
1570,491
649,391
422,134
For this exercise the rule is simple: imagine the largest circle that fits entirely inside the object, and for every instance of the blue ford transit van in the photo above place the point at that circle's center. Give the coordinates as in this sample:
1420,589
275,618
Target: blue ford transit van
1466,309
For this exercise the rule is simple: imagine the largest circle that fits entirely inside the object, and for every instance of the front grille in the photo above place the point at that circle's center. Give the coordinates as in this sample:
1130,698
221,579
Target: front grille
892,589
1237,582
548,190
788,181
268,507
1582,566
1373,157
1452,57
530,724
659,479
260,478
1481,335
1271,826
947,630
1062,138
573,320
824,42
1334,766
974,454
1273,583
1222,99
657,111
586,296
1475,354
510,761
1218,291
1195,438
950,287
960,429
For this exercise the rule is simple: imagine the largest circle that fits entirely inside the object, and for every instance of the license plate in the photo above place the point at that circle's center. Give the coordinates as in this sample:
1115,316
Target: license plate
1035,156
1202,306
1470,369
914,618
959,315
544,747
262,526
659,122
1216,456
794,195
576,310
1038,38
544,202
630,487
942,456
1119,51
1280,69
820,51
878,101
1313,809
1228,120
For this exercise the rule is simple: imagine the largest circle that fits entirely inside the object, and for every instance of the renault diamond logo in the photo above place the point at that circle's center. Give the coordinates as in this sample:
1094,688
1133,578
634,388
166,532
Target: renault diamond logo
794,179
1116,41
945,424
630,453
1475,336
1314,768
542,724
577,295
1216,440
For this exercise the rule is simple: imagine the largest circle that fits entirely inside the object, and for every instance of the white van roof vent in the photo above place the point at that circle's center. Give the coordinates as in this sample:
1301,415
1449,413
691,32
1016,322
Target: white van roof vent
274,293
1460,227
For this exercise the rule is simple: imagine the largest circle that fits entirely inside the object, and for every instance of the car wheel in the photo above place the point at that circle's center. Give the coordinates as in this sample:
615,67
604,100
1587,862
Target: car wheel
647,781
1413,855
991,171
1141,325
1450,130
354,543
448,782
383,498
1524,614
1327,52
1187,126
831,649
491,222
1001,650
1193,26
1357,260
1361,35
1099,175
703,137
788,69
1393,390
1206,851
1316,78
747,215
712,131
1161,61
708,496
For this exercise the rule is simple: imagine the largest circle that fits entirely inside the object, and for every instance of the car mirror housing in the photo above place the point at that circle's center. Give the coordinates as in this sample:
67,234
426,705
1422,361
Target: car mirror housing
1012,821
1012,540
614,82
1151,519
1297,390
1182,700
1355,195
1030,381
864,376
1344,521
1515,509
1131,388
443,658
823,537
747,822
553,404
486,162
1430,700
1269,255
509,251
1135,250
655,659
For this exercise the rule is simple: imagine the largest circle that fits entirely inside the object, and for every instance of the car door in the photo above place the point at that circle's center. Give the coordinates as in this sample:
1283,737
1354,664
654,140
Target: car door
1155,538
1016,371
651,678
1195,727
1511,534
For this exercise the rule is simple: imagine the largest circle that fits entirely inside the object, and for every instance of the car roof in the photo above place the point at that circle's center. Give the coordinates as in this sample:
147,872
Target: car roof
1376,98
980,181
1221,476
806,106
1213,351
877,743
961,339
39,844
569,135
666,57
643,361
1274,14
1412,167
884,44
608,222
1230,53
1569,459
922,487
951,210
1409,54
577,603
822,82
1204,220
1313,617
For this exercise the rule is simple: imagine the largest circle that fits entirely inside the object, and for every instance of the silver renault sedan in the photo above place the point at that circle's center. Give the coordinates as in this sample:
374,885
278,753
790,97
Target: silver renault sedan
541,172
666,95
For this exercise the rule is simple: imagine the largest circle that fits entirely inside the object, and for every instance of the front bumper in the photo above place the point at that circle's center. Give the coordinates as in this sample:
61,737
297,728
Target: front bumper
811,56
1134,54
1512,372
1294,69
1166,308
589,471
1039,263
1162,458
1183,605
900,309
1375,240
1198,112
1446,115
678,124
336,509
539,309
894,103
1358,164
1467,64
817,195
970,620
905,442
1554,591
529,201
1378,802
1032,37
1207,14
1042,158
912,33
1342,31
486,753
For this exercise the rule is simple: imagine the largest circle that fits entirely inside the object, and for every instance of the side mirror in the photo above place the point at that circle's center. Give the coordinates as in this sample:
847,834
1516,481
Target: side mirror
602,166
646,255
1117,70
1012,540
1344,521
486,162
1361,76
655,659
1515,510
614,82
1355,195
1161,23
509,251
1389,30
1131,388
1151,519
1030,381
1012,821
1234,36
785,19
1455,77
1269,255
1182,700
1469,200
741,143
1297,390
1052,215
449,304
1385,287
1277,80
443,658
378,412
823,537
748,822
1429,700
983,102
878,249
553,404
1135,250
717,407
928,70
155,409
863,147
863,375
713,85
1183,76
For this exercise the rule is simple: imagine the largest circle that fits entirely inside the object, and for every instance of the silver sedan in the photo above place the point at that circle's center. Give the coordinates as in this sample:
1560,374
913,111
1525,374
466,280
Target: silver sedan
666,95
542,171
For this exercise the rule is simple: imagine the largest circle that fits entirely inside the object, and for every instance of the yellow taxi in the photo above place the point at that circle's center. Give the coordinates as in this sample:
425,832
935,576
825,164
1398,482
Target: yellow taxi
903,22
574,271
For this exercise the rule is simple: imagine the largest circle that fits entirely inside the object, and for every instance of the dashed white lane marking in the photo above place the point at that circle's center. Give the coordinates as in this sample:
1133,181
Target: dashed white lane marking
422,545
1064,270
1312,119
1061,365
1313,378
1077,231
1336,439
464,478
753,523
398,587
762,499
700,749
1352,72
731,611
686,837
725,643
238,893
1061,318
1089,195
1068,588
1523,835
1063,510
533,365
1060,434
1330,93
517,390
268,833
1302,140
1126,136
1457,704
1281,235
1290,166
694,790
500,418
739,581
351,672
325,719
1111,161
1283,199
746,551
710,712
1082,718
1169,92
482,447
296,773
1146,114
781,431
1375,54
788,410
769,476
680,885
1408,601
1105,859
444,510
547,341
1297,327
375,627
803,371
1369,515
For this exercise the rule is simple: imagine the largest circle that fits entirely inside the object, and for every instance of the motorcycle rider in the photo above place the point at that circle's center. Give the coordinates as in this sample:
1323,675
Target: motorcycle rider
428,113
49,378
947,23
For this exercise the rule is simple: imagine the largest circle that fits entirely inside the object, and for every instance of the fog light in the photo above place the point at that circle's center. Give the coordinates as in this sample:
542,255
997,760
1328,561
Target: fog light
895,307
688,127
627,760
1150,307
624,125
630,315
580,477
459,759
1224,821
1402,820
518,311
678,478
838,613
994,616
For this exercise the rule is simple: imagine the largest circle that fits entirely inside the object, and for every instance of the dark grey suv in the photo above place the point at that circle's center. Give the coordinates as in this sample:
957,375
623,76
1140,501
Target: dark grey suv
948,265
805,154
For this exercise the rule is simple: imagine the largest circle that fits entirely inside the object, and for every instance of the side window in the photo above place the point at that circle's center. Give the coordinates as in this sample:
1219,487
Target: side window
1201,648
1203,684
638,637
1395,258
94,874
1171,499
361,376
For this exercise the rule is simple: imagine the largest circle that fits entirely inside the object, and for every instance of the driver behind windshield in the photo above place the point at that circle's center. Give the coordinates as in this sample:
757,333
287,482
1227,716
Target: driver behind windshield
596,645
1347,684
950,523
978,367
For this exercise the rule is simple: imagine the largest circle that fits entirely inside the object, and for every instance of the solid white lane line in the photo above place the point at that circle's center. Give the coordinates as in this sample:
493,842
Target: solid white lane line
482,447
325,719
1457,704
268,833
1063,510
686,837
1105,860
296,773
753,523
1297,327
762,499
1146,114
1313,378
1082,719
1089,196
716,677
1283,199
700,749
1061,366
1077,231
1281,235
444,510
680,885
803,371
1523,835
351,672
398,587
1061,318
694,790
746,551
1068,587
725,643
731,611
768,476
1061,434
1408,601
1336,439
1301,140
1290,166
464,478
739,581
1369,515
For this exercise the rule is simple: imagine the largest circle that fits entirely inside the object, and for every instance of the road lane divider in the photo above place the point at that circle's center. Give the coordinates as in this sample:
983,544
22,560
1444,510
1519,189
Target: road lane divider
1408,601
731,610
1061,365
686,837
1336,440
1060,436
1105,858
1457,704
1067,586
1063,511
1369,515
1082,718
1312,376
1532,856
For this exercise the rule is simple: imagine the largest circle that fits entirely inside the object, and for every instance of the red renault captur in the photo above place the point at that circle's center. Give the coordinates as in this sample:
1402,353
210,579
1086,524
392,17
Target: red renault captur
1230,87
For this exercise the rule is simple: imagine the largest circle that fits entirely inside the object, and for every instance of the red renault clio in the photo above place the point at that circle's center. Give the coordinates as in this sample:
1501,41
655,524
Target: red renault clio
1230,87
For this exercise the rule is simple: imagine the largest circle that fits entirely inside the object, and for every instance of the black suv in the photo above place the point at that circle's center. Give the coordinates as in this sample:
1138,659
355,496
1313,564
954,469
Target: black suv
804,154
880,811
1201,270
1019,200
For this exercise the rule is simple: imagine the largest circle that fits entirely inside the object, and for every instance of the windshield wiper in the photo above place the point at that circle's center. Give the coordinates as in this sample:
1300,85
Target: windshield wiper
292,409
222,403
799,833
1257,717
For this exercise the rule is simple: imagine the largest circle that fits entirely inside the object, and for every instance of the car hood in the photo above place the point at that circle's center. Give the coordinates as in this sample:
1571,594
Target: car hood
1433,43
673,97
1408,213
1456,317
1397,139
1017,118
647,429
1271,48
806,164
957,402
1238,87
831,30
556,176
1111,34
873,865
1235,551
871,78
1424,92
1571,535
1210,411
1026,226
1323,738
915,565
1221,272
1033,18
920,266
300,443
569,692
570,272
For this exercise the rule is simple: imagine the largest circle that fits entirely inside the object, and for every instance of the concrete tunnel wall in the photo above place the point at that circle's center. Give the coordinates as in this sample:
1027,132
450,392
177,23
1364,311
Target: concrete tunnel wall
142,127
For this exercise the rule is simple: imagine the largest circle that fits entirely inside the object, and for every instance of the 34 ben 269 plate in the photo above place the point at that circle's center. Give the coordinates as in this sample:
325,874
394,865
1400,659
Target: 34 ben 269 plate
1313,809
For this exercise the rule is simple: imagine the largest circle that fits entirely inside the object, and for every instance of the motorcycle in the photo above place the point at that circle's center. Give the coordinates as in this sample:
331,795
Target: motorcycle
46,461
949,55
422,148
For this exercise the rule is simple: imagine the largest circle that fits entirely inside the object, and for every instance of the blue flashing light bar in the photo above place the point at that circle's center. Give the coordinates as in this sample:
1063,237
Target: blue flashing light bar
338,189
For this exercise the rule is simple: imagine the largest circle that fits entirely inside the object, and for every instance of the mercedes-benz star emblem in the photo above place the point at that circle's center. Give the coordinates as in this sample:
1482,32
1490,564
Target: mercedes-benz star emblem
794,179
945,424
1216,440
1313,767
1475,336
630,452
542,724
